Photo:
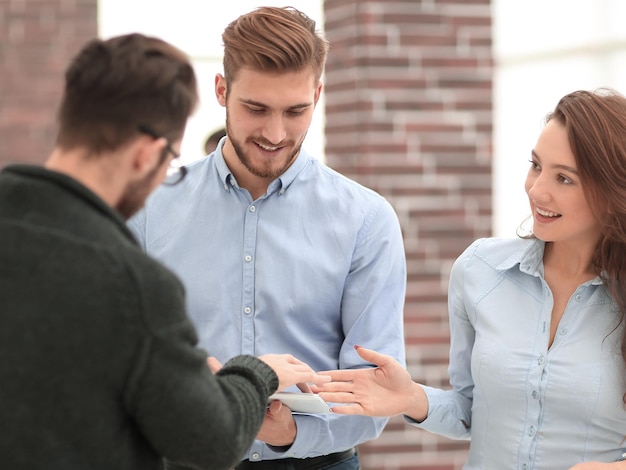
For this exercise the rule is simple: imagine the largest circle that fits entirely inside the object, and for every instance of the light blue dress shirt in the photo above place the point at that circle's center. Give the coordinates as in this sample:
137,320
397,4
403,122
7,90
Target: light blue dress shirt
526,406
311,268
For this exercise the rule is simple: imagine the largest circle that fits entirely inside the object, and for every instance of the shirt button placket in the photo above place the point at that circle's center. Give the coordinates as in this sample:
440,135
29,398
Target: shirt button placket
247,298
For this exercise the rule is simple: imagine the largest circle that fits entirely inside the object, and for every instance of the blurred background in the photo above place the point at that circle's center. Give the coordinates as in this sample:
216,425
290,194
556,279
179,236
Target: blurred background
435,104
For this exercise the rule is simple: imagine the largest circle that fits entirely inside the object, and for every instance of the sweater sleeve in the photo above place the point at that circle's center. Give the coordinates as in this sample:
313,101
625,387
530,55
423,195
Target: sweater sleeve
190,416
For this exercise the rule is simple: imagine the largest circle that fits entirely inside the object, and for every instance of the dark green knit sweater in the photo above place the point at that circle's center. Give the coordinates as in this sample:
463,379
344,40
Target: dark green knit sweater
98,368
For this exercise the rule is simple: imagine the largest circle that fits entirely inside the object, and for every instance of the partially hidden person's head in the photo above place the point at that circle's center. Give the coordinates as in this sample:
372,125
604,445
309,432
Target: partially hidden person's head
114,86
210,144
274,40
595,122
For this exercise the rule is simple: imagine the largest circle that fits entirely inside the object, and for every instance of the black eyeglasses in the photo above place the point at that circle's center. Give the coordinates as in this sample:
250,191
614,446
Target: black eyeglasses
176,172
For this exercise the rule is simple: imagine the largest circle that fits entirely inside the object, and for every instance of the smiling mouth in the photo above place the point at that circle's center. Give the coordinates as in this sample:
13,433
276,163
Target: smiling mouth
548,214
268,148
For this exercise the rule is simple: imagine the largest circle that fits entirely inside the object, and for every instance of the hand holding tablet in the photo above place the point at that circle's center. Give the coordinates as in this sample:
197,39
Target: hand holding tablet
302,402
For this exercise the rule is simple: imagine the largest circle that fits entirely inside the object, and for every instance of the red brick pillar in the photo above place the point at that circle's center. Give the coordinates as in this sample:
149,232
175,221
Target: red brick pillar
409,114
37,40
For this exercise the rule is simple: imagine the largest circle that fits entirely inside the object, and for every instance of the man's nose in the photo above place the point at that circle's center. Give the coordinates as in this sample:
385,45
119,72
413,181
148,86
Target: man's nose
274,129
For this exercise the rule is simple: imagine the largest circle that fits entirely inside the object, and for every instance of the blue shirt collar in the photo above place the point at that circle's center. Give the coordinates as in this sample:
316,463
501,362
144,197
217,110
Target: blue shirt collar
530,260
279,184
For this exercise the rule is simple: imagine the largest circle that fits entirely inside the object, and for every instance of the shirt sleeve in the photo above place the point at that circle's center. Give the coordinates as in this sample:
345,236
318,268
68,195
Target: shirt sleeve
372,316
449,411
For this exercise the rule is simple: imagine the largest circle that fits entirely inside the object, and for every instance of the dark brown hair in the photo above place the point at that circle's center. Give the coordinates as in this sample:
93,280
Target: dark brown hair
271,39
596,127
113,86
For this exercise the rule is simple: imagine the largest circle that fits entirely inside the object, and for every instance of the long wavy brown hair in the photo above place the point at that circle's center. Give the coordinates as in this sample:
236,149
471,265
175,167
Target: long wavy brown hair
595,122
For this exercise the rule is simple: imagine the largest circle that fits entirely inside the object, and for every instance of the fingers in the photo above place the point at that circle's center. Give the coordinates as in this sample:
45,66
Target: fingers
338,397
372,356
304,388
316,379
307,375
347,410
291,371
274,407
342,375
335,386
214,364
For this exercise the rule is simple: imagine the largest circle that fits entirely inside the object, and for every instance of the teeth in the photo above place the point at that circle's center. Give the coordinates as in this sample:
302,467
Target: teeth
265,147
546,213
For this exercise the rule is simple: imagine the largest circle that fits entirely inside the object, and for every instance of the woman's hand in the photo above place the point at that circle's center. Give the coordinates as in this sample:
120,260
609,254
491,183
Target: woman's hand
386,390
599,466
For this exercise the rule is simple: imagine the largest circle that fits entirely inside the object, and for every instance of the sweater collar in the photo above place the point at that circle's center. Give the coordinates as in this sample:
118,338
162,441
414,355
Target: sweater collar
73,186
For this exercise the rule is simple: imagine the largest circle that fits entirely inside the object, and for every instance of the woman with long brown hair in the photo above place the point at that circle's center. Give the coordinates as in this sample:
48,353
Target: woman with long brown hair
538,353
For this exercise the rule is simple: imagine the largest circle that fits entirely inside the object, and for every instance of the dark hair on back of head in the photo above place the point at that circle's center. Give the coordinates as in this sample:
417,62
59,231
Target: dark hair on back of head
112,86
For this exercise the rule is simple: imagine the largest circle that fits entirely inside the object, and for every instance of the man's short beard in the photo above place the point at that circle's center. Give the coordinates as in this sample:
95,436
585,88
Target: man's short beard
246,162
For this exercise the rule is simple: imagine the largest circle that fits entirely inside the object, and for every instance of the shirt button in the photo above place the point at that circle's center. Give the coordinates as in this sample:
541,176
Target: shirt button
252,208
535,394
247,310
531,431
255,456
248,258
524,467
563,331
541,360
578,297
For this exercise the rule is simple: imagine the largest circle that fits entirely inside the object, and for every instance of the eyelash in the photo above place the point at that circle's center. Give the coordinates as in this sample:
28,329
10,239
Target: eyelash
564,179
290,113
561,178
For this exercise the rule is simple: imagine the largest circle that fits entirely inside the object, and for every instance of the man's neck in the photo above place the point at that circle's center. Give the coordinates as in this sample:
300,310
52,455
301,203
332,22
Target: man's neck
256,185
98,173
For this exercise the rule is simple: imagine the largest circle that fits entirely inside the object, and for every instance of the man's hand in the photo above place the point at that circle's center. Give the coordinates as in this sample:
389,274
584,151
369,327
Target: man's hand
214,364
292,371
279,427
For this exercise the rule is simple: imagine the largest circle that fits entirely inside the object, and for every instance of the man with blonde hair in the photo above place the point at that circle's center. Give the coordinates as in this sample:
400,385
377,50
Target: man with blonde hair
298,258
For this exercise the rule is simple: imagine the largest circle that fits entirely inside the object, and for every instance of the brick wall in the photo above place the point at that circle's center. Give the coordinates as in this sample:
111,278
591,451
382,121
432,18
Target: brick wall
409,114
37,40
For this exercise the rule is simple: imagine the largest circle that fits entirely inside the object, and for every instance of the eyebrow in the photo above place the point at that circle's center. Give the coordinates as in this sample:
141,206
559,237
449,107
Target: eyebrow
261,105
557,167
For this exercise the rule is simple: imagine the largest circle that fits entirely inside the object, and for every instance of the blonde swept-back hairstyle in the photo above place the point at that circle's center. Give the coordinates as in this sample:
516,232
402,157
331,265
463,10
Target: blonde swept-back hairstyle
595,122
272,39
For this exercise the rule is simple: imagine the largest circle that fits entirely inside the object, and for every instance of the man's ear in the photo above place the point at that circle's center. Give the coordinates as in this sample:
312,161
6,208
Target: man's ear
146,155
220,89
318,92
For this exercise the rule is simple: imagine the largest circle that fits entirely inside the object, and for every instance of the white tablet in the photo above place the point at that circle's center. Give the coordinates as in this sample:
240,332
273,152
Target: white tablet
302,402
